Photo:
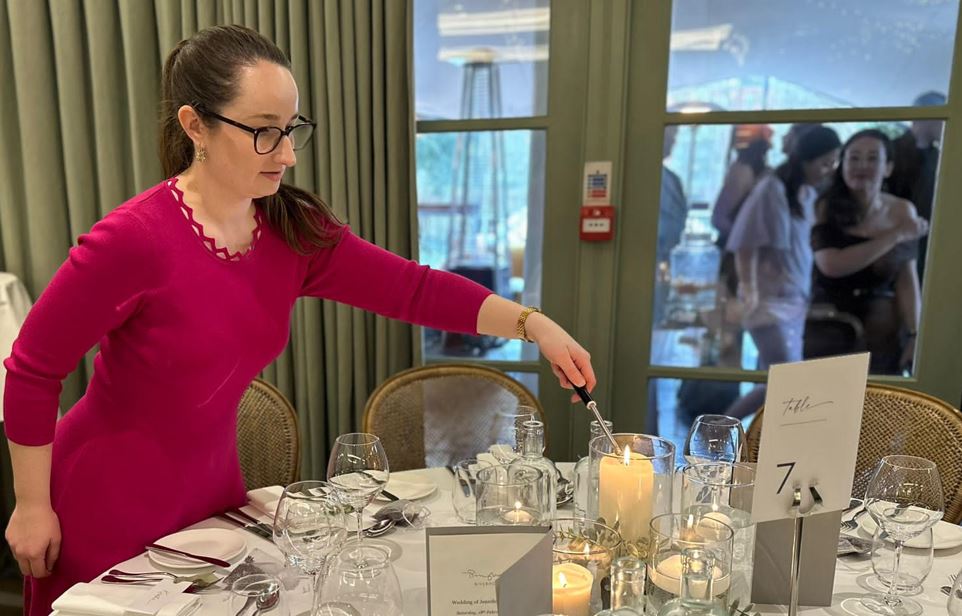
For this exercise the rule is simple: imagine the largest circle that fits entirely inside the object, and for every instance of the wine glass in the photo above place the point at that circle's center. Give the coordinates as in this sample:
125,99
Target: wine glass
358,470
309,525
369,590
904,498
715,438
954,604
509,432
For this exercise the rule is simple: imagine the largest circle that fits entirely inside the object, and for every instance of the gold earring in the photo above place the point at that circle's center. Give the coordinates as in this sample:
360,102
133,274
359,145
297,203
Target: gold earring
200,155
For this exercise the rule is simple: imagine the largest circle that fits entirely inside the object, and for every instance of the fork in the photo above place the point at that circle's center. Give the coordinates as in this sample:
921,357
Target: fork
852,523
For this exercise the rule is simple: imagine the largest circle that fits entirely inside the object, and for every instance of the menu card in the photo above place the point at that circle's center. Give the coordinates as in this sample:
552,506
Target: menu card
465,565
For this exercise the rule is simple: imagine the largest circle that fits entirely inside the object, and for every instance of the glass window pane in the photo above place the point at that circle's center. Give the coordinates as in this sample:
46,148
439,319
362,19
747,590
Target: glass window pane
747,277
673,404
808,54
480,59
481,217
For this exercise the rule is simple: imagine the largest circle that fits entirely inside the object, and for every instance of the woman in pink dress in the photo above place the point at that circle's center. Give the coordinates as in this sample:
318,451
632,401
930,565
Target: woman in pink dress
188,290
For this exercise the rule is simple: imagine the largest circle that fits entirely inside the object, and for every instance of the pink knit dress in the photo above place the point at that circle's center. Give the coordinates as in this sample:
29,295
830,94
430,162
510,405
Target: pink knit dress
151,447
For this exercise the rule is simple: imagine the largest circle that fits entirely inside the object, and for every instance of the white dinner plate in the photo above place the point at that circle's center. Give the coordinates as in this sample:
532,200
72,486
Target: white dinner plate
219,543
408,490
944,534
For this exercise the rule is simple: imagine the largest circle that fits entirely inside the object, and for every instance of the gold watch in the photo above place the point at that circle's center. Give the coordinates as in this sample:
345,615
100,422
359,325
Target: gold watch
522,319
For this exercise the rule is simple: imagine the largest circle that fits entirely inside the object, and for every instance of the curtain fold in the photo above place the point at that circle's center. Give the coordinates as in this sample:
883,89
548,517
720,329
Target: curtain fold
78,136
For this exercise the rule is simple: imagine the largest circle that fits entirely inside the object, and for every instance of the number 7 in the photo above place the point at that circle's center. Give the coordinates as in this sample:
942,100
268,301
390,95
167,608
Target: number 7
791,467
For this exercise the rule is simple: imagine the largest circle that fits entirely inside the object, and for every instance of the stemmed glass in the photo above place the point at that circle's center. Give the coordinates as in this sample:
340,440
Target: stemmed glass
309,525
715,438
372,590
358,470
904,498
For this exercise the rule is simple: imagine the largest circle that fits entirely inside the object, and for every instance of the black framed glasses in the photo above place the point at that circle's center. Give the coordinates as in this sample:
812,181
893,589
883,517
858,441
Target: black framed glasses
267,138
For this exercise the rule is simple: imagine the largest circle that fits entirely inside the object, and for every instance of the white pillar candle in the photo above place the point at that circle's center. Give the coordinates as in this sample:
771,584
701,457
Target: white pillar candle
571,589
625,493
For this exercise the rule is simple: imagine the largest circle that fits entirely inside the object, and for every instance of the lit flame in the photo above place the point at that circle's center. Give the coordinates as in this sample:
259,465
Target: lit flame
562,580
587,551
627,456
517,505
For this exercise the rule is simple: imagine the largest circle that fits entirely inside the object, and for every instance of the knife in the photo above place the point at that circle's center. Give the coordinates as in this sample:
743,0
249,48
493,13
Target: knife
223,564
251,528
389,496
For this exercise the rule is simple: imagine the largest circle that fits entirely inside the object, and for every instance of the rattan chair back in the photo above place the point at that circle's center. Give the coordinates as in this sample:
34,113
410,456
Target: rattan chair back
900,421
437,415
268,444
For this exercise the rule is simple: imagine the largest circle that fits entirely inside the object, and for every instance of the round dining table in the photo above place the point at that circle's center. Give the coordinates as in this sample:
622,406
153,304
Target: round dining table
853,575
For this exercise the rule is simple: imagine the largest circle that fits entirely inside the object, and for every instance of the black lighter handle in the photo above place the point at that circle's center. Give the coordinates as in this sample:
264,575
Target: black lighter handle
583,394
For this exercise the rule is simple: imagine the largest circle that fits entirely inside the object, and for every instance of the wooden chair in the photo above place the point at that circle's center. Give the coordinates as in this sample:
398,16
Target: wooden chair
440,414
268,444
900,421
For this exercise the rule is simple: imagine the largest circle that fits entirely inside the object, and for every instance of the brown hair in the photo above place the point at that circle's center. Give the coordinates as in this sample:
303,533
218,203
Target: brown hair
202,71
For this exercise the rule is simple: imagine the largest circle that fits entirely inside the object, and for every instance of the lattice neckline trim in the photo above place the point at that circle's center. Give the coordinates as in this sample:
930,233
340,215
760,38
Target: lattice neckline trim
220,252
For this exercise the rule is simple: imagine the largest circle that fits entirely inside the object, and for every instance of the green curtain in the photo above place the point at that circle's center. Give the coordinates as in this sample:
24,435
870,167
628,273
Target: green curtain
78,116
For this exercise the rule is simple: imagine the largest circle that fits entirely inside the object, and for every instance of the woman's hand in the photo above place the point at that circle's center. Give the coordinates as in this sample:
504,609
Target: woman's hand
570,362
912,228
748,295
33,535
908,355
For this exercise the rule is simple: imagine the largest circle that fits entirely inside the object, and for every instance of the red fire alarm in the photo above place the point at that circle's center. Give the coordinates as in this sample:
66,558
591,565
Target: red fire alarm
597,223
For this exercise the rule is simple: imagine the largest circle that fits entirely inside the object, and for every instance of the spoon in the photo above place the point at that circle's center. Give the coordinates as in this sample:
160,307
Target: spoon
381,527
267,601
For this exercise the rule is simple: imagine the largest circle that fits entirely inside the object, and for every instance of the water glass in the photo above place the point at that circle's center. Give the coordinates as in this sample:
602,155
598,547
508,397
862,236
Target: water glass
257,592
464,488
672,536
512,495
914,564
724,492
715,438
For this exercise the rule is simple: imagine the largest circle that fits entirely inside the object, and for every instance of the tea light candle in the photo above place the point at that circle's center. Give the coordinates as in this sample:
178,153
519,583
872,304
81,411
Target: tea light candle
571,590
667,576
518,515
625,493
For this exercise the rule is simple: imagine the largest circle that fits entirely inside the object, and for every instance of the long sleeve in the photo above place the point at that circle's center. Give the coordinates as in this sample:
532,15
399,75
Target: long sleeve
361,274
95,290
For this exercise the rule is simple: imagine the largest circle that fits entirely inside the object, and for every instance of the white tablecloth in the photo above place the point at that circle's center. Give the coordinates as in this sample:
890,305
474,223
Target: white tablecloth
14,306
851,578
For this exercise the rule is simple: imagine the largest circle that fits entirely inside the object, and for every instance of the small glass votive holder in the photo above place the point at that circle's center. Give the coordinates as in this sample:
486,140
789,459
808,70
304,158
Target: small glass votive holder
589,544
724,491
673,535
512,495
464,488
915,563
634,485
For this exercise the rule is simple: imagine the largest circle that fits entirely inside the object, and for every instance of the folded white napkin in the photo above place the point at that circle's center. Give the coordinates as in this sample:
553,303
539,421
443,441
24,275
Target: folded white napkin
89,599
265,499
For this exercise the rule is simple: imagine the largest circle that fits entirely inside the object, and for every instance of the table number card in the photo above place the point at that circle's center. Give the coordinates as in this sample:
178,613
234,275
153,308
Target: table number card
465,563
813,414
810,432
